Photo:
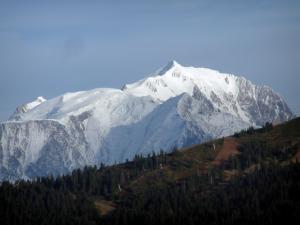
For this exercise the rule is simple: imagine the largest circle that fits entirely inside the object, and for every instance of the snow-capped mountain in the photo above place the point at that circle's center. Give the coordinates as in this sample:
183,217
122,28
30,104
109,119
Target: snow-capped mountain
174,107
228,93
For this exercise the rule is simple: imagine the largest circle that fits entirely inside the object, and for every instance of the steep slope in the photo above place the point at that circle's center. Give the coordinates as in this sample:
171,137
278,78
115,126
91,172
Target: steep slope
66,132
181,121
175,107
36,148
228,93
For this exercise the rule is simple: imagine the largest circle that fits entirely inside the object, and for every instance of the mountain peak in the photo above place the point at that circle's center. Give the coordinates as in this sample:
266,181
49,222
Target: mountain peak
173,63
167,67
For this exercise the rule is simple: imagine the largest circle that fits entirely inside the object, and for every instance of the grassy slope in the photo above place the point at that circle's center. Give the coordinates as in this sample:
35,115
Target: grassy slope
201,159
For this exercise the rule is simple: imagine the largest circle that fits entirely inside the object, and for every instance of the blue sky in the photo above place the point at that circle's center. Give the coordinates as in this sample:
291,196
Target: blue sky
51,47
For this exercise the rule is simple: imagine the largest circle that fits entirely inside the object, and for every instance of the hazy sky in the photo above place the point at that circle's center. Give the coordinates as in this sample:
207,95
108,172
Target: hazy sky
47,49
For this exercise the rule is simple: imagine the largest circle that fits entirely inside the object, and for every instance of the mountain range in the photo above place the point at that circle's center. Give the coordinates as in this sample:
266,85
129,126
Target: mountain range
174,107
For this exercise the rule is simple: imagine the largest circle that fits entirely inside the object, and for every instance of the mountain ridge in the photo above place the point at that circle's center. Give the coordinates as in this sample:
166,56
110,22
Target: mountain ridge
183,106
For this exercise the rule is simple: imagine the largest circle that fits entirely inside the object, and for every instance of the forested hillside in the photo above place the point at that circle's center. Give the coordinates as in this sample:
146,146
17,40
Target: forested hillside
252,177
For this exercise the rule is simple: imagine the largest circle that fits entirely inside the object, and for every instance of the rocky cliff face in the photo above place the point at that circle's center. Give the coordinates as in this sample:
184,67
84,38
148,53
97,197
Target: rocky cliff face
174,107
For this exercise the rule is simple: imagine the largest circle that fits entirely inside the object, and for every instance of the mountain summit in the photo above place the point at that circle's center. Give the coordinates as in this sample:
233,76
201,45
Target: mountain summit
167,67
173,107
228,93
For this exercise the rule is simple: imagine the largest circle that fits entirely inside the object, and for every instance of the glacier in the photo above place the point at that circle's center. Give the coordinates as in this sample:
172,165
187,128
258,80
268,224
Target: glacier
174,107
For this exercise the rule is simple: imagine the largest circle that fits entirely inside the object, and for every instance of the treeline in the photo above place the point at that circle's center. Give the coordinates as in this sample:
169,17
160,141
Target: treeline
251,130
105,181
254,150
270,195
